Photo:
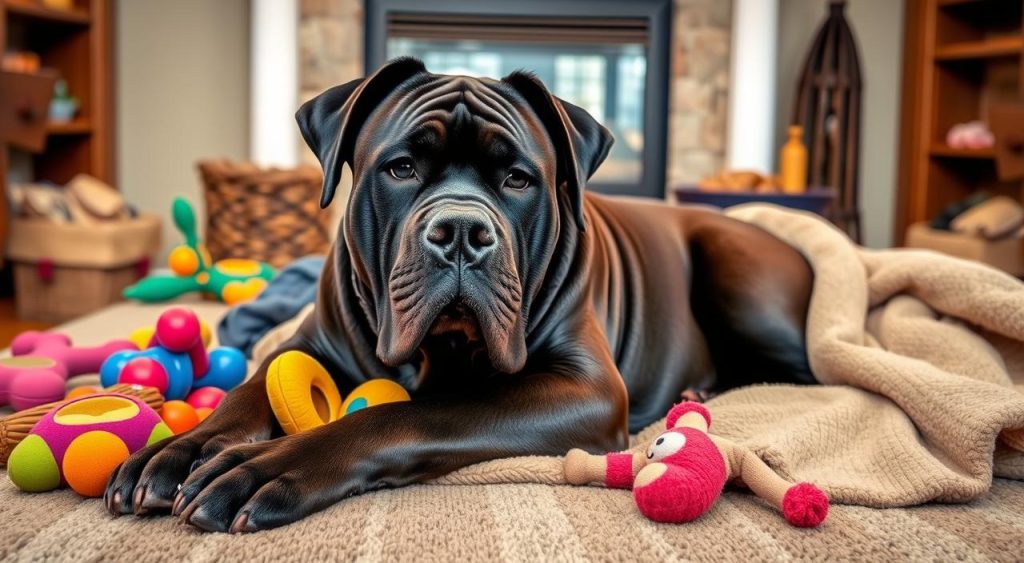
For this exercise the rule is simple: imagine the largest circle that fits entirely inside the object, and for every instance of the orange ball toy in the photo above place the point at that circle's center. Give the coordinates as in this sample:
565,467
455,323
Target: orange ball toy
81,392
203,412
179,416
183,261
90,460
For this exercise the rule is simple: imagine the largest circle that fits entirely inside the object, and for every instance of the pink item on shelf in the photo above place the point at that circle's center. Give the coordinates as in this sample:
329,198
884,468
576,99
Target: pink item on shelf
970,135
41,364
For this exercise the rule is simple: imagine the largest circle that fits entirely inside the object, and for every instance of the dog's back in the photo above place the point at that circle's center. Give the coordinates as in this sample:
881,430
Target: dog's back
692,299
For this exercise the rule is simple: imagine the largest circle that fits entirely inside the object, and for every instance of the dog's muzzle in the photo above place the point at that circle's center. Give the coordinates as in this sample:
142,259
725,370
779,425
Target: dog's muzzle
460,234
455,275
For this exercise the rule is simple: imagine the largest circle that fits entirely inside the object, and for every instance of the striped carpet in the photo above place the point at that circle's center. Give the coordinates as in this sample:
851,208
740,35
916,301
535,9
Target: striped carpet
520,523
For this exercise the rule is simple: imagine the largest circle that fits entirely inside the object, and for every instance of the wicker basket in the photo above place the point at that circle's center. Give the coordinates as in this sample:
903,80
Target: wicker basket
271,215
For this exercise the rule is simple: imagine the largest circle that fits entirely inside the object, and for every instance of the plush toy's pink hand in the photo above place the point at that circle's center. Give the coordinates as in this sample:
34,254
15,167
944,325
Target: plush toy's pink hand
614,470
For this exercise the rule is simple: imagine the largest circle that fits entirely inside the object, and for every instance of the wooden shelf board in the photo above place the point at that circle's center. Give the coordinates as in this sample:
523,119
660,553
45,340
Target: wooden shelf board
41,12
958,2
946,151
992,47
74,127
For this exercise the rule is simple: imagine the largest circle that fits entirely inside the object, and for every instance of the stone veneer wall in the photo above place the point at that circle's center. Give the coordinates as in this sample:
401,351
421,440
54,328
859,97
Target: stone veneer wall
331,52
699,90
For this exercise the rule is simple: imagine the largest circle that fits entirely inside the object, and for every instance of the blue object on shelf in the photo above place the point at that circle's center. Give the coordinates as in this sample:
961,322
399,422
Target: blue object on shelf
815,200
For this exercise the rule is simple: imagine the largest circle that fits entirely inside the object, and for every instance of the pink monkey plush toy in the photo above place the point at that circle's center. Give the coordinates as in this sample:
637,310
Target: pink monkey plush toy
681,474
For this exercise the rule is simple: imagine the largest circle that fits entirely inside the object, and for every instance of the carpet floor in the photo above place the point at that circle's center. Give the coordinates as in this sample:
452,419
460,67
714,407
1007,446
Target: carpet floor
520,523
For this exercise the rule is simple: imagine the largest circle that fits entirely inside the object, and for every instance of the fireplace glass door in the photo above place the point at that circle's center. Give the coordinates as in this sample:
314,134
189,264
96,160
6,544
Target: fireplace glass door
601,60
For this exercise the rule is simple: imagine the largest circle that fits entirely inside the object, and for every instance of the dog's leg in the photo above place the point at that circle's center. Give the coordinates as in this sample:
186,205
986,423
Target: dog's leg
268,484
751,293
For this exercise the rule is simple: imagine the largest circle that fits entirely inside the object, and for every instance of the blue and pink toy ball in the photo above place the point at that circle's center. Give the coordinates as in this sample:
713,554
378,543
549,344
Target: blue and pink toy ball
176,360
227,369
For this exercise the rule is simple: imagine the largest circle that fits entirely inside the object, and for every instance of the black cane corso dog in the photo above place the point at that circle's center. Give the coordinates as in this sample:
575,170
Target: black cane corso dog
523,315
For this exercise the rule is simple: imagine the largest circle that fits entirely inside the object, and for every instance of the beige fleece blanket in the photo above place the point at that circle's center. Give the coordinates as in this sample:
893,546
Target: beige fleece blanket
922,357
922,360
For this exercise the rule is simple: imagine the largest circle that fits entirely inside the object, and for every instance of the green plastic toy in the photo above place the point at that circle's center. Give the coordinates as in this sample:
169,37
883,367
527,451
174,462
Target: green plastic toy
232,280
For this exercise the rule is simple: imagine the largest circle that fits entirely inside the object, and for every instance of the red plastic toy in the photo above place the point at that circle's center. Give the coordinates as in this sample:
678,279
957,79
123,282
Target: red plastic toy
41,364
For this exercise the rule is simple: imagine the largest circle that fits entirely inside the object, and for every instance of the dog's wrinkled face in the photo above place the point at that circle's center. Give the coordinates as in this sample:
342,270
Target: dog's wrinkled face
461,187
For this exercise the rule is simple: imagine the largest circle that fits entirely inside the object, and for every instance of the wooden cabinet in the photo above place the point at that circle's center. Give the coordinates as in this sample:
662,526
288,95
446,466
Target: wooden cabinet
960,57
75,45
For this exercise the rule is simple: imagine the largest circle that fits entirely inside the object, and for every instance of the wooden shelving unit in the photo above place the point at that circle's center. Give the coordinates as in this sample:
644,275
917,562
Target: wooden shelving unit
75,45
41,12
74,127
985,48
940,150
959,58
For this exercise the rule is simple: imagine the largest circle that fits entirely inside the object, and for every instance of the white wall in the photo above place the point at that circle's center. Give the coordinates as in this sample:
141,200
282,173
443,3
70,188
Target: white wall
273,69
182,95
752,92
878,28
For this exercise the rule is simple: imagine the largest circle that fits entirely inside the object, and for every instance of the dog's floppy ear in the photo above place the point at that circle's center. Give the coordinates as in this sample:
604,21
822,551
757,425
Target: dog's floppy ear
581,143
331,121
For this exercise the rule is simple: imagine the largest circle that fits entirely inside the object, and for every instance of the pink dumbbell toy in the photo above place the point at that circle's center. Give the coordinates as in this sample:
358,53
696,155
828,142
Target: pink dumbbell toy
41,364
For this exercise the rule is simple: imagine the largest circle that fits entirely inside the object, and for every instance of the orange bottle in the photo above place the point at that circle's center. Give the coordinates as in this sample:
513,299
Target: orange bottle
793,162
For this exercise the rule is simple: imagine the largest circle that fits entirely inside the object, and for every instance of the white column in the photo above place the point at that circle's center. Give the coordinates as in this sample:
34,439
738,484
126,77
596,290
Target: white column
274,79
752,88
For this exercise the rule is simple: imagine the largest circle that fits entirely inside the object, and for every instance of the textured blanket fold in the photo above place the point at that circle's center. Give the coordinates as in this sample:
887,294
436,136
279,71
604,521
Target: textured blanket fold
922,360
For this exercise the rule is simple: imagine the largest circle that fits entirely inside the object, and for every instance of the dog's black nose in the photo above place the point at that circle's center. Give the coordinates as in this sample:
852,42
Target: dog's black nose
460,232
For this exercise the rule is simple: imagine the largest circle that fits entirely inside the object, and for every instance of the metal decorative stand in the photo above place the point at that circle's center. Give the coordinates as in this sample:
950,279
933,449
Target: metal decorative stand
828,108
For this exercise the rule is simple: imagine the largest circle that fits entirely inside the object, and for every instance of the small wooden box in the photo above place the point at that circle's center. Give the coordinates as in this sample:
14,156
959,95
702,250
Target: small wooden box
66,271
1007,254
24,103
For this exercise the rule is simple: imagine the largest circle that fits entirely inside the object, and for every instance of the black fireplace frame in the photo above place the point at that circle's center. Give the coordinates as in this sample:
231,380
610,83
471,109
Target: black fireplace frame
658,14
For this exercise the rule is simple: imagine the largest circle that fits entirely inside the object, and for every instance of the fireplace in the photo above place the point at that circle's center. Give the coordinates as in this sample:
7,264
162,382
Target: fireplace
610,57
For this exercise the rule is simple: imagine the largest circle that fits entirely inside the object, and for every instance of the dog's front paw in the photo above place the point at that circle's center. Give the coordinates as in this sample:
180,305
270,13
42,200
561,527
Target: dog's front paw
252,487
148,480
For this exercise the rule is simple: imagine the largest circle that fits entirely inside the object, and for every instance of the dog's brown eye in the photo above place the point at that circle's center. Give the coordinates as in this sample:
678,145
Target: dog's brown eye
402,169
517,180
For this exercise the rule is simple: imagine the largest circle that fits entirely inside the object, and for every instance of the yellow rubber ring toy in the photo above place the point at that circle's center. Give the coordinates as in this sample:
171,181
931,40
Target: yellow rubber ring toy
372,393
302,393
